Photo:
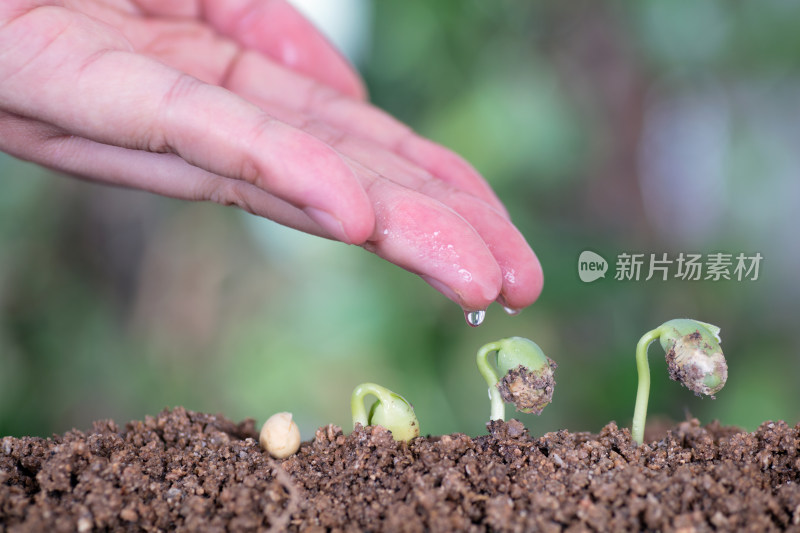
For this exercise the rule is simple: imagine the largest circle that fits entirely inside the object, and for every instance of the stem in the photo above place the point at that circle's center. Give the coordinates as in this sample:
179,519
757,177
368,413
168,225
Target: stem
643,391
498,411
357,401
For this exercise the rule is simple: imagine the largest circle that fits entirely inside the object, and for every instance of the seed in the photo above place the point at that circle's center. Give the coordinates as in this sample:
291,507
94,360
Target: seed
280,436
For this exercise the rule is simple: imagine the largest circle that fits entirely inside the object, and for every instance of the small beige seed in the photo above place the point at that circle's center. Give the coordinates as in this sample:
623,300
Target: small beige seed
280,436
84,525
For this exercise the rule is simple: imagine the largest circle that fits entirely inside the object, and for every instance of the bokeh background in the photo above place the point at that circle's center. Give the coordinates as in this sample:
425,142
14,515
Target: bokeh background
645,127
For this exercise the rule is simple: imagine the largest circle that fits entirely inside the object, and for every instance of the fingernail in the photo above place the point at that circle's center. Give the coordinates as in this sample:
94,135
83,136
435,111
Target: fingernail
509,310
441,287
329,223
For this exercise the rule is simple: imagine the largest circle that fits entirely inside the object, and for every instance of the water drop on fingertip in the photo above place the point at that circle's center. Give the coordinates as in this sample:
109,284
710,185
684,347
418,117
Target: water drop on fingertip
475,318
512,312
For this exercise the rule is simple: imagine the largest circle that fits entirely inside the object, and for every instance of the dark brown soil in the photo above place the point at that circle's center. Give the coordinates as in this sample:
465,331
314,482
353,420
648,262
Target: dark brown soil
195,472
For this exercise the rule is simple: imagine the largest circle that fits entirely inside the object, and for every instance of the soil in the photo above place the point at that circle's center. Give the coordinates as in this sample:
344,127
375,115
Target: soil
196,472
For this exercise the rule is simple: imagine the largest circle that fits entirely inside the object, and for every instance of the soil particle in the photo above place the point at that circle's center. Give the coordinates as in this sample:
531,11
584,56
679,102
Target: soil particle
195,472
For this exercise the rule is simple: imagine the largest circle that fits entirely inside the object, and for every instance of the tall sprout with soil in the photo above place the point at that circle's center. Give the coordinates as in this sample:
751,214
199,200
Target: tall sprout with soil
527,376
694,358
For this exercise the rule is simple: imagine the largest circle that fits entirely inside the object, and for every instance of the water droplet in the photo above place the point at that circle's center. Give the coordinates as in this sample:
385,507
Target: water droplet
512,312
475,318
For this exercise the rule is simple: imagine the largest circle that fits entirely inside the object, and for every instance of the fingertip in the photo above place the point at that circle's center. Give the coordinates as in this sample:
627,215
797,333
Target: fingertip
521,271
420,234
522,286
469,296
279,30
350,226
357,88
320,58
317,179
358,213
359,225
473,284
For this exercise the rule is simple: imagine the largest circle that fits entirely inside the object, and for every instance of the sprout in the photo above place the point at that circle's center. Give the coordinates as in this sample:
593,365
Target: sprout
694,359
391,411
527,380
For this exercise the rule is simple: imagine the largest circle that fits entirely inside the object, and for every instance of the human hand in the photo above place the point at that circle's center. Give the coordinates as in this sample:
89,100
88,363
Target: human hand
244,103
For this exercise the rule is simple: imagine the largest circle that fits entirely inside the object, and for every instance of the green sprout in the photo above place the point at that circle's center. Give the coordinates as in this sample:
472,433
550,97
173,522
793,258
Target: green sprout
694,359
527,380
391,411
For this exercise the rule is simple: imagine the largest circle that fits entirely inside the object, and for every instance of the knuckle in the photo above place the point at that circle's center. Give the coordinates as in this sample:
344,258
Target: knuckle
226,192
249,168
179,92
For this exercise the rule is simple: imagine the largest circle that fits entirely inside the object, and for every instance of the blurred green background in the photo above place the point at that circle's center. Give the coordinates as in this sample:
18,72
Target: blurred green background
645,127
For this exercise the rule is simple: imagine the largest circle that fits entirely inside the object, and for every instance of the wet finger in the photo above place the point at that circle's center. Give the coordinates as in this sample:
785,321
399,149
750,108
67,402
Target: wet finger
426,237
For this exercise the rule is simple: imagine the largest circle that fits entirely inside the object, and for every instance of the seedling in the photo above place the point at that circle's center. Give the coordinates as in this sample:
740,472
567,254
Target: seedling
694,359
527,380
391,411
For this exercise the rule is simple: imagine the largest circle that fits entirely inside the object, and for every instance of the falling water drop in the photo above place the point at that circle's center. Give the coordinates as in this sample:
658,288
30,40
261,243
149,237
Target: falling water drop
475,318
